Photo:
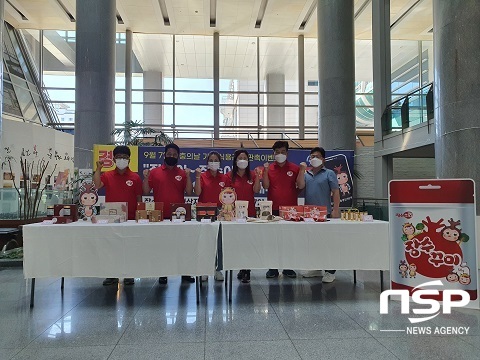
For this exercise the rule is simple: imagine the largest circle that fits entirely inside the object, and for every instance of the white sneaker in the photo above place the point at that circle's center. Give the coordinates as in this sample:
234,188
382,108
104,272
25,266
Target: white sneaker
218,276
204,278
313,273
328,278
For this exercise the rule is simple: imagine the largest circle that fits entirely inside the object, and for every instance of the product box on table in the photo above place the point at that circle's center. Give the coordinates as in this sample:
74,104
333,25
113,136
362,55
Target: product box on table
317,213
207,211
265,209
115,208
181,211
66,210
154,211
291,213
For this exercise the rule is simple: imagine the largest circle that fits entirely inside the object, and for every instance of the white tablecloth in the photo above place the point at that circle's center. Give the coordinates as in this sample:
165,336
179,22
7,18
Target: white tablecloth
336,244
83,249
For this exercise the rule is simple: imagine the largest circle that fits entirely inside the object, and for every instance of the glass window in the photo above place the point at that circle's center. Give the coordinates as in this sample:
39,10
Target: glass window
10,102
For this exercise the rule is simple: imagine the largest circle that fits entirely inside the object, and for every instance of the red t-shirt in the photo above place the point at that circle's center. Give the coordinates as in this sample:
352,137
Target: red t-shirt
168,186
283,188
122,187
244,189
211,187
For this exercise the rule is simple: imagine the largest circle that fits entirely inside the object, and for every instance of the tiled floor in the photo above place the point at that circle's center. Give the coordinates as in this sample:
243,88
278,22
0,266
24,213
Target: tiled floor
268,319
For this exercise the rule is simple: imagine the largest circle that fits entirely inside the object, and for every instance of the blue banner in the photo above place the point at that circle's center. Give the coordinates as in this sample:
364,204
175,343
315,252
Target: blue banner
341,162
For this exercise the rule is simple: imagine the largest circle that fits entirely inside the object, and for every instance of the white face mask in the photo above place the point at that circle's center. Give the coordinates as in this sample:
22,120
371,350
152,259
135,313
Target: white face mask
316,162
242,164
214,165
121,163
280,158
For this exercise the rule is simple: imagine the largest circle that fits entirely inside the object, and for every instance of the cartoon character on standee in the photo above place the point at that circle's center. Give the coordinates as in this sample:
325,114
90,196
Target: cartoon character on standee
342,178
403,267
435,247
452,277
464,279
454,233
88,198
408,231
412,270
227,197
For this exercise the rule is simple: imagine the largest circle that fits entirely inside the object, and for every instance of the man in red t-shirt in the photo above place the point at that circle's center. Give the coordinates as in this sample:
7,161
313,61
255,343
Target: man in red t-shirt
169,184
121,185
280,179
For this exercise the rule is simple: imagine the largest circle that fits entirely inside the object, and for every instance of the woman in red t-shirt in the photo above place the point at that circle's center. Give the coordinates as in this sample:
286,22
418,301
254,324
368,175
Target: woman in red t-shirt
246,183
210,183
208,186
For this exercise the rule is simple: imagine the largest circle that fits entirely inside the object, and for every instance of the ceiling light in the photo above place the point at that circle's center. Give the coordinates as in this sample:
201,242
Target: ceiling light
213,13
308,15
65,10
261,14
163,9
18,11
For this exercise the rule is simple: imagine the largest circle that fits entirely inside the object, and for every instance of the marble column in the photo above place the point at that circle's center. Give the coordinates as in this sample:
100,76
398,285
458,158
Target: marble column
456,25
94,77
336,74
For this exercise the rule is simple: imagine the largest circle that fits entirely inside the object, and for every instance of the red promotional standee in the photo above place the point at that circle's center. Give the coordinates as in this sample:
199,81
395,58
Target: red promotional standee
432,234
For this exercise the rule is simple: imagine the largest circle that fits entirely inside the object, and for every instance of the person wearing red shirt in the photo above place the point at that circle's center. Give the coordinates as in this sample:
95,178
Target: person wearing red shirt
246,183
169,184
280,179
208,186
122,185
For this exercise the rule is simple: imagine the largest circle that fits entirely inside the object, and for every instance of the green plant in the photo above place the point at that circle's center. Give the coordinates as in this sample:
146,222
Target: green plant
31,196
134,132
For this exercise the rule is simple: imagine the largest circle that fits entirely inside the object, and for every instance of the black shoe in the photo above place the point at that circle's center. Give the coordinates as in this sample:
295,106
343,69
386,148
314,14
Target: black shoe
271,273
240,275
246,276
128,281
162,280
189,279
289,273
110,281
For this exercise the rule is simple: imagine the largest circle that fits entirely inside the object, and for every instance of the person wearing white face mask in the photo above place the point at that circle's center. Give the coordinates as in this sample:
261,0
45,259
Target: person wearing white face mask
121,185
320,184
246,183
280,179
208,186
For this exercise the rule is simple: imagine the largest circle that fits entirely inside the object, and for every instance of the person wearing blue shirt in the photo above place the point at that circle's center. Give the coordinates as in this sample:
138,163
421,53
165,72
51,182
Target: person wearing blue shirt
320,184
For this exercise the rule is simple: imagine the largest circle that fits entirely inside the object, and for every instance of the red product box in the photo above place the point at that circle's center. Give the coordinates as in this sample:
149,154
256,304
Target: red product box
181,211
66,210
207,211
291,213
317,213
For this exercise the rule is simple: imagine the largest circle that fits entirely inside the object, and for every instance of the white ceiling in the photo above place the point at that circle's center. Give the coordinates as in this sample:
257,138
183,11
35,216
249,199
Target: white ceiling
235,22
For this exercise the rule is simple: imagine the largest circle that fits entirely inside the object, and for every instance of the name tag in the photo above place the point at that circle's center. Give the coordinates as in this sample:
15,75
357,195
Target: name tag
177,221
143,221
311,220
242,221
368,218
48,222
206,220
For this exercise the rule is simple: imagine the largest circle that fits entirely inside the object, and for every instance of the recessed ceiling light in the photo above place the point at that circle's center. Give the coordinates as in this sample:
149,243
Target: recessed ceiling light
196,11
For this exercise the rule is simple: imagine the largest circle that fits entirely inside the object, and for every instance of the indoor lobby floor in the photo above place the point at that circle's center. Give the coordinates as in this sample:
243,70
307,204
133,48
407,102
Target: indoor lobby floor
268,319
